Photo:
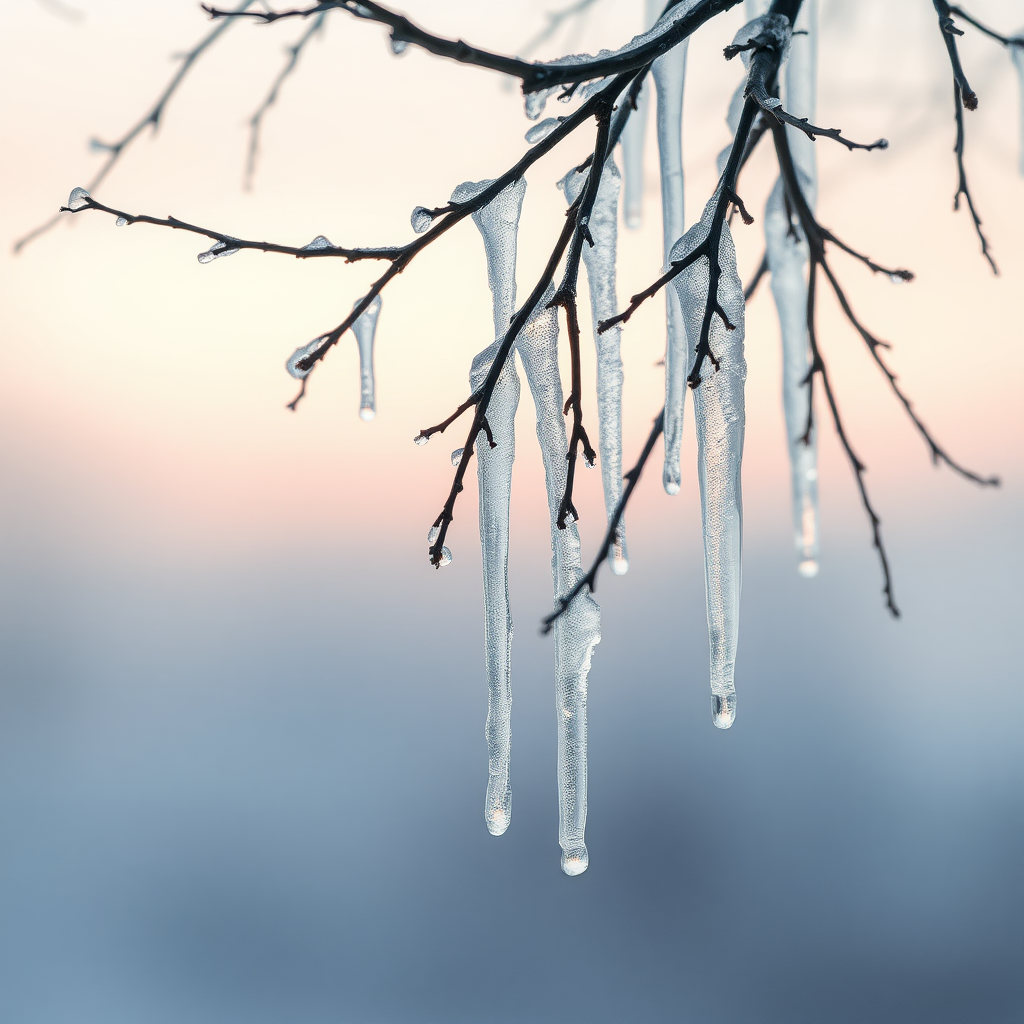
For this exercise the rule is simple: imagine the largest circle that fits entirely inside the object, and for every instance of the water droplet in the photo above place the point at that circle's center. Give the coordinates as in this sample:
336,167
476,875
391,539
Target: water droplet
542,130
121,221
619,562
78,200
367,413
575,861
320,242
589,463
421,439
432,534
457,456
808,568
421,219
671,486
299,354
898,278
533,103
446,557
723,710
215,252
398,45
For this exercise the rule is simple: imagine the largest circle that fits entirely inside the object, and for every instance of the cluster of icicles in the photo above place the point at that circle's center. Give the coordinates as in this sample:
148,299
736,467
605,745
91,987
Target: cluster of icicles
718,413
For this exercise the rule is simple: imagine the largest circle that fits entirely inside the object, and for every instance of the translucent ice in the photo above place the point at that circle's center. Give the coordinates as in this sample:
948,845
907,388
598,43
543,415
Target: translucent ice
787,259
78,200
632,143
719,414
365,329
578,629
1017,56
421,219
318,243
669,76
299,354
398,46
498,223
542,129
121,221
215,252
599,261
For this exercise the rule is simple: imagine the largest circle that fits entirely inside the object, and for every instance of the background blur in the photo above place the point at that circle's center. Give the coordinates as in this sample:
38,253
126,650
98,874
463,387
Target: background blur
242,763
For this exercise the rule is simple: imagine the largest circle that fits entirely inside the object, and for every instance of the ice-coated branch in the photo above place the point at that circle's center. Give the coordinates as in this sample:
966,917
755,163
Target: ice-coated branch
294,52
114,150
534,76
963,96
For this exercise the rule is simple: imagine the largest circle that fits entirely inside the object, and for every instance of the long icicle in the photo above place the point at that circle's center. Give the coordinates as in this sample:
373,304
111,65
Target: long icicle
498,223
787,259
719,414
632,140
669,78
579,629
365,330
599,259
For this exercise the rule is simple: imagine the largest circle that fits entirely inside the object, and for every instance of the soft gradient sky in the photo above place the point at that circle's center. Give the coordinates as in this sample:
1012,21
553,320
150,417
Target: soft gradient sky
241,757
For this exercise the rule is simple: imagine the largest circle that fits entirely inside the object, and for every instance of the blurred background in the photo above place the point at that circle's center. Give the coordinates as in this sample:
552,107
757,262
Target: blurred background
241,718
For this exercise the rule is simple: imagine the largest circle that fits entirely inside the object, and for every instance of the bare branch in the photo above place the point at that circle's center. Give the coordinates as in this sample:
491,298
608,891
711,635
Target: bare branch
1007,41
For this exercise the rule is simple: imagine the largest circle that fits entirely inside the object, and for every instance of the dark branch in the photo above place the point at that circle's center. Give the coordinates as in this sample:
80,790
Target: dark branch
1007,41
762,269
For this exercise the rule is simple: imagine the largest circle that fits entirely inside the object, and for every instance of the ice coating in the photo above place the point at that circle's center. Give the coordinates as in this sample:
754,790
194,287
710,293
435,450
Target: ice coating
1017,56
719,415
421,219
215,252
599,261
498,223
78,200
320,242
578,629
365,329
787,259
669,76
542,129
299,354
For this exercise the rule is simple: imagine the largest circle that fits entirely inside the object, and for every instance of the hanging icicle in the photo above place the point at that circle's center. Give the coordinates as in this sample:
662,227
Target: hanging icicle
578,630
1017,56
719,414
498,223
669,77
787,259
365,329
599,260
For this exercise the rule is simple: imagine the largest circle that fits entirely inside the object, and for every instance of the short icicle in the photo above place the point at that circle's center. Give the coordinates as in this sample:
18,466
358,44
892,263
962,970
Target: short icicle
365,329
599,260
498,222
578,630
787,259
669,77
719,414
1017,56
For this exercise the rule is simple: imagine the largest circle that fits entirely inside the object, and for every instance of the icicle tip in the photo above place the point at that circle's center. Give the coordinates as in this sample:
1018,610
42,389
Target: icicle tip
575,861
723,710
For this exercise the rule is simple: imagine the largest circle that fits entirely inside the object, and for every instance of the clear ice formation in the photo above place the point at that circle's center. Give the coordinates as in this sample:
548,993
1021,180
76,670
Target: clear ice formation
599,261
632,143
78,200
215,252
1017,56
365,328
498,223
578,630
719,415
669,77
299,354
787,259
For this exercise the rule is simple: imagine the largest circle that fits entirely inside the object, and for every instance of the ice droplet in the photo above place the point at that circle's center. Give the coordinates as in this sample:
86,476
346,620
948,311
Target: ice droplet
619,562
420,439
499,805
421,219
215,252
897,278
723,710
121,221
671,483
298,355
446,557
320,242
533,102
432,534
542,130
78,200
457,456
367,413
398,46
808,568
575,861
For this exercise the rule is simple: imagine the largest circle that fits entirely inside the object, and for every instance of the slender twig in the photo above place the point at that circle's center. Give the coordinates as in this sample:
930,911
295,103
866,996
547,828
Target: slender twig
256,121
114,150
984,29
534,76
762,269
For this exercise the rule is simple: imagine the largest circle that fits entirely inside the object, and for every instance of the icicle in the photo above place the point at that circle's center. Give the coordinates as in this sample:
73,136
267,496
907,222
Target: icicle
669,76
577,630
365,328
719,414
599,260
632,143
787,260
498,222
1017,56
